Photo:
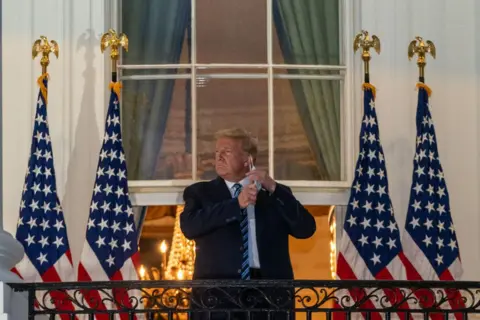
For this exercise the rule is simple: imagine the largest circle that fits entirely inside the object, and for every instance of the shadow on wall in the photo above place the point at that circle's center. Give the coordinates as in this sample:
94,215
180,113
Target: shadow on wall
399,154
83,159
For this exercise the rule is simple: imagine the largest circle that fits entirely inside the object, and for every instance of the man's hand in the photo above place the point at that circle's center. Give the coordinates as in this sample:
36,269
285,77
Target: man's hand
247,196
263,178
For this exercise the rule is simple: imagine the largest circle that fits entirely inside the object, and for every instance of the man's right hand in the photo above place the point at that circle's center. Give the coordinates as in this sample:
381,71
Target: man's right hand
247,196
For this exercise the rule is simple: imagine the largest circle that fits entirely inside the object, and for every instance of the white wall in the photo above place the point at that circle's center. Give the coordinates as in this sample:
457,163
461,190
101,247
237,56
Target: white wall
77,100
454,79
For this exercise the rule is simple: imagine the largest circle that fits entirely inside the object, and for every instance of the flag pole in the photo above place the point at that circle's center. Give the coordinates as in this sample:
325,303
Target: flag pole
43,46
120,259
421,48
363,40
427,261
115,42
369,201
55,257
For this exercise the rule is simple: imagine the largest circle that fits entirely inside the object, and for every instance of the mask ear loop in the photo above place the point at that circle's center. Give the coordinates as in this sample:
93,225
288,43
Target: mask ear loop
250,163
252,167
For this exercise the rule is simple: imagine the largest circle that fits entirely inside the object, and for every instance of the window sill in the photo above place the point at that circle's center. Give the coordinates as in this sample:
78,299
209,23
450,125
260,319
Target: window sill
151,193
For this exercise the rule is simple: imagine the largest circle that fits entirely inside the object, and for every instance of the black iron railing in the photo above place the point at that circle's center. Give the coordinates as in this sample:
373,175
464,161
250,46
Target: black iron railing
272,299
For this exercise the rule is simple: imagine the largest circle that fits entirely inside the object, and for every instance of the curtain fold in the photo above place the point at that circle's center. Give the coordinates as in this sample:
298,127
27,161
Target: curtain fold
308,33
156,29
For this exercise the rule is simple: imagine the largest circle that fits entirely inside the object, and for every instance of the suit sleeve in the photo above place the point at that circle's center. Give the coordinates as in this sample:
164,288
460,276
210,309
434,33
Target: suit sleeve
301,223
197,220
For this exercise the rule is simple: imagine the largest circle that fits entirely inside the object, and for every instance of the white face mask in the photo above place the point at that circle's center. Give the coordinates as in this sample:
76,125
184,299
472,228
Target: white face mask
252,167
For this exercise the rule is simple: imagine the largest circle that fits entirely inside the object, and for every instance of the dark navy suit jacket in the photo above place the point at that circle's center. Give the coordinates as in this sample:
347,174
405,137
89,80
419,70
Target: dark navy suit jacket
212,218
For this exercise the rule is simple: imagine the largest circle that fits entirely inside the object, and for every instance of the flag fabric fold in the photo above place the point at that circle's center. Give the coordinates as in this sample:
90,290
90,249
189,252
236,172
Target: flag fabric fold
370,246
110,251
41,225
429,238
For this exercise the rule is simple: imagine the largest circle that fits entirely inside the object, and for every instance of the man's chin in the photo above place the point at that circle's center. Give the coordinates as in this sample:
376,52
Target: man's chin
221,170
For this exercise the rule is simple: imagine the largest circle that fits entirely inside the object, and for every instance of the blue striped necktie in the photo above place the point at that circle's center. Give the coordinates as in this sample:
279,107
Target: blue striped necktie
245,271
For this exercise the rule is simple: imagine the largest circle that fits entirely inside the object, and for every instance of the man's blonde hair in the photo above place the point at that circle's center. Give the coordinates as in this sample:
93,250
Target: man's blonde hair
249,142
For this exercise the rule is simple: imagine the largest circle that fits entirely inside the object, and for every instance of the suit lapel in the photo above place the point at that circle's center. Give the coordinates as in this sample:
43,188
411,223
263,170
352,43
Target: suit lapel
220,190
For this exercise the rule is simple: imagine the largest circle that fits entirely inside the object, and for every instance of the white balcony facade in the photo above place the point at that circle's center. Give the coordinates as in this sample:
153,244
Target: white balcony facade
78,101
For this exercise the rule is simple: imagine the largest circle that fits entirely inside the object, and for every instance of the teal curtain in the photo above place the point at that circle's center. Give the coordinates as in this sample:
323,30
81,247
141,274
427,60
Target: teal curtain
308,33
157,31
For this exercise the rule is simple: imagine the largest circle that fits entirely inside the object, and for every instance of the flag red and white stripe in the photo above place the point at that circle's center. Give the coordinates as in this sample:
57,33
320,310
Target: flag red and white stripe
41,225
110,252
429,239
370,246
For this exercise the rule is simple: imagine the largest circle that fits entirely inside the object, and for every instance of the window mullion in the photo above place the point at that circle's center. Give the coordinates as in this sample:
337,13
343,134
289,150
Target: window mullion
193,88
326,67
270,90
343,73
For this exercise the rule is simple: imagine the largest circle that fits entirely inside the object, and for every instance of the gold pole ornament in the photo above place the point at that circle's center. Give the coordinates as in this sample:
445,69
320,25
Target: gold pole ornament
421,48
363,40
115,42
43,46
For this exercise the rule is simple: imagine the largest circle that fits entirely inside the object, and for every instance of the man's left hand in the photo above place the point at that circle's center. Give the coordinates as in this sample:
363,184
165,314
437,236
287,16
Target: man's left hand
263,178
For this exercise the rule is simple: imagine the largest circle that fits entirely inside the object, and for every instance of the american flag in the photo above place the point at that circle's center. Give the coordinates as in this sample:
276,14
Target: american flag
429,237
370,246
110,252
41,226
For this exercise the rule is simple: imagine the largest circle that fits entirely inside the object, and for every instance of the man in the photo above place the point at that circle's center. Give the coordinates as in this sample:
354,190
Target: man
244,236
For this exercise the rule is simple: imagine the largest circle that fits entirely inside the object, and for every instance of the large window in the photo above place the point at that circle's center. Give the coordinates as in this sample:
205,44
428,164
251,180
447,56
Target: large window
274,67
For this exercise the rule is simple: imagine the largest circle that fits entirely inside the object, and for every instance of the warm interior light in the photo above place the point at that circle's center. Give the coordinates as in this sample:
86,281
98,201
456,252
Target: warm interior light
180,263
180,274
333,239
163,247
142,271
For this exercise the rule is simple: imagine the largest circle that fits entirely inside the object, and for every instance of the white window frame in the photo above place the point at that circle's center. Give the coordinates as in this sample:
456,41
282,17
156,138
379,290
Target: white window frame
169,192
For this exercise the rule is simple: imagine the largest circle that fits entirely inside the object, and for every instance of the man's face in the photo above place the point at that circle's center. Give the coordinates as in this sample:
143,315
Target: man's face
230,159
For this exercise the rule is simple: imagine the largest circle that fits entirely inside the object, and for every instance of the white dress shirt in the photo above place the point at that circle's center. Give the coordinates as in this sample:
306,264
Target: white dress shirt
252,239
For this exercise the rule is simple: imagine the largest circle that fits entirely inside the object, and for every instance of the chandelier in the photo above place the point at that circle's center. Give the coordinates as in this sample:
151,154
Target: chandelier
332,224
181,258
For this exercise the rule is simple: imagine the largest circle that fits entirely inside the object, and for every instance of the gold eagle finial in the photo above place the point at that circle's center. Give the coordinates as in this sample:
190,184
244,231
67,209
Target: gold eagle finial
421,48
364,41
44,47
115,42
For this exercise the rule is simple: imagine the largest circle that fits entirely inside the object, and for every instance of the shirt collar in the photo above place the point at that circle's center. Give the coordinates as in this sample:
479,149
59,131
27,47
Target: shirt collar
230,184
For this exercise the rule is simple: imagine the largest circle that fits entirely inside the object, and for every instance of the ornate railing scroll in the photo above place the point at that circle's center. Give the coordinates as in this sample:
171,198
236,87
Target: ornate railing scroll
181,299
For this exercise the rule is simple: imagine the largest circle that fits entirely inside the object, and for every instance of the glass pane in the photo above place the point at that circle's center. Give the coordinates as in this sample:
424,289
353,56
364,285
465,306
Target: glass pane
157,224
156,123
230,103
165,253
157,31
307,134
157,228
231,31
205,75
306,32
